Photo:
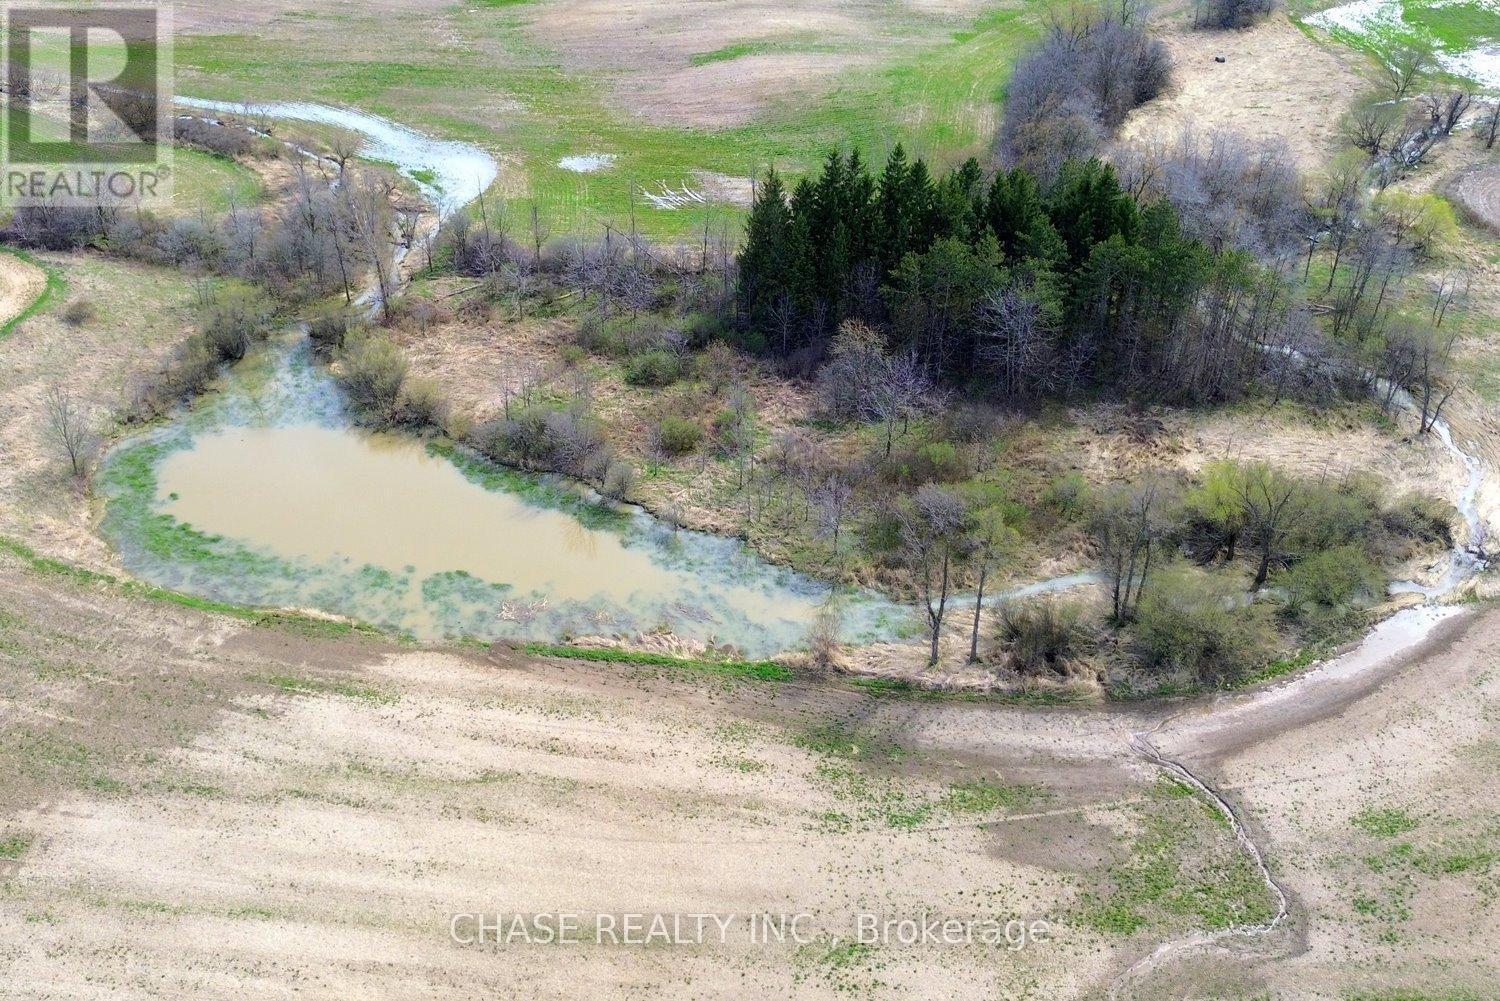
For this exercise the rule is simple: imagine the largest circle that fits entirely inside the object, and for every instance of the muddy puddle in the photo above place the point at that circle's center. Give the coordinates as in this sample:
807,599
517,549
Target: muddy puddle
265,495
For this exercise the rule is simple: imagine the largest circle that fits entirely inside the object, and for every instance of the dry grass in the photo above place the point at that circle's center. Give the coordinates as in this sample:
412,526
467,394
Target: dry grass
1275,83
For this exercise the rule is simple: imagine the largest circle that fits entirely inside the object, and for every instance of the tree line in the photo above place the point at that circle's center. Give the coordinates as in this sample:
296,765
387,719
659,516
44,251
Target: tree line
1012,288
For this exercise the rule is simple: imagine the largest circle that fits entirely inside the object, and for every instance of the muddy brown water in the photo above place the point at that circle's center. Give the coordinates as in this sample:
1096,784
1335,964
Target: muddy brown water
318,493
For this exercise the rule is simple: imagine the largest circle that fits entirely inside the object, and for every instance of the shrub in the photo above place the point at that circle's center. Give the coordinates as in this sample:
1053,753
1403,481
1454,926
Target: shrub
1067,495
540,438
1421,518
423,405
928,462
189,371
80,311
372,372
237,317
655,368
1231,13
1042,637
1331,578
678,435
619,480
1193,623
1076,87
718,366
328,326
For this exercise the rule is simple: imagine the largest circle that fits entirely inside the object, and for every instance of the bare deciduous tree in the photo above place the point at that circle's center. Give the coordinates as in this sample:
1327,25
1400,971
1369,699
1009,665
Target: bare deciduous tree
1271,503
1128,530
933,544
68,429
1405,66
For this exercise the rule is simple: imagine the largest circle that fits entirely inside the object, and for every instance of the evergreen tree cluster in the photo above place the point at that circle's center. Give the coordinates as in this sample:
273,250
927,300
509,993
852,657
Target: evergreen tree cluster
1014,290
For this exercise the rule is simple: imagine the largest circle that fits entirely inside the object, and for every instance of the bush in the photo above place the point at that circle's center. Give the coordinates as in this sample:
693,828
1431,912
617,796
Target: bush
1067,495
236,318
188,373
372,372
1332,578
928,462
678,435
1042,637
328,327
1193,623
619,480
423,405
1421,518
1076,87
656,368
1230,13
718,366
540,438
80,311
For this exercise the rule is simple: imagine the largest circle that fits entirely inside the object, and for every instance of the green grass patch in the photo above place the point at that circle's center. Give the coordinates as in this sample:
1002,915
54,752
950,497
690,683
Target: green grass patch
1384,822
756,670
51,292
936,93
1179,868
212,182
739,50
13,846
294,685
991,797
898,688
306,625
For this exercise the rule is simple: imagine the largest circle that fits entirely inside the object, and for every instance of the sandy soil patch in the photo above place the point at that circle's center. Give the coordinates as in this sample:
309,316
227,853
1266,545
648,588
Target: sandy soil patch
20,284
207,18
193,806
1275,83
283,811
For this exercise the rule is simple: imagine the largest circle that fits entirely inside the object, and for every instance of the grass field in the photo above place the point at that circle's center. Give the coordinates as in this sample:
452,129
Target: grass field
1464,34
500,86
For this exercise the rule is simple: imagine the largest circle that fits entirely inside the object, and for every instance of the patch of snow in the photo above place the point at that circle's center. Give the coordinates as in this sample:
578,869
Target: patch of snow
588,163
451,174
1480,65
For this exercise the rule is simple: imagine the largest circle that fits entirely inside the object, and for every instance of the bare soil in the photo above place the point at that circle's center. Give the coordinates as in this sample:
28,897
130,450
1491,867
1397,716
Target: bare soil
197,807
645,52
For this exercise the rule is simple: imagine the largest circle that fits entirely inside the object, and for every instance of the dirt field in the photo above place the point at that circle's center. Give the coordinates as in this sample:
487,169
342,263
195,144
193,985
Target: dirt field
197,807
1275,83
1384,819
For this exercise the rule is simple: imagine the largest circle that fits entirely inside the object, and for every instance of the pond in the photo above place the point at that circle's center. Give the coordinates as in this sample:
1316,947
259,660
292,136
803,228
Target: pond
265,495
